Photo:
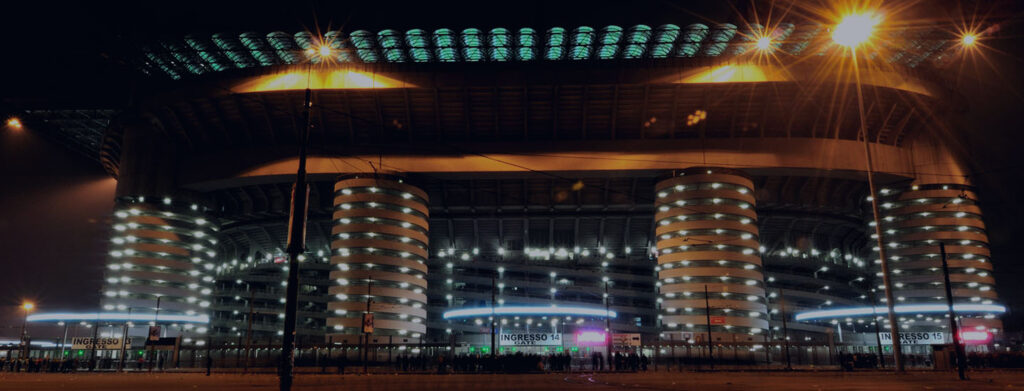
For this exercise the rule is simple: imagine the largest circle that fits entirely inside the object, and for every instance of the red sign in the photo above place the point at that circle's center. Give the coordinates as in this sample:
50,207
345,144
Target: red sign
368,323
280,259
717,320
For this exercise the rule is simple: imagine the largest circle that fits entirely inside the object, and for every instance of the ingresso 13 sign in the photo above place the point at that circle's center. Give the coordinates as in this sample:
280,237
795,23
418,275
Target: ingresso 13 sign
928,338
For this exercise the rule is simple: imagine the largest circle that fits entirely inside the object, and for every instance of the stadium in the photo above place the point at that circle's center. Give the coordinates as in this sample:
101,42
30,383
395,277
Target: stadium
550,186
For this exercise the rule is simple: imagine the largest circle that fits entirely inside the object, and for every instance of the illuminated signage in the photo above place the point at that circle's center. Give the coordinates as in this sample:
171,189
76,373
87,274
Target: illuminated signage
928,338
530,339
632,339
591,337
975,337
87,343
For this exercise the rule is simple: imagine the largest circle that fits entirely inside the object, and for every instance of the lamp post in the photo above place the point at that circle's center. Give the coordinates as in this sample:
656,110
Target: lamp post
607,318
961,357
297,234
851,32
26,307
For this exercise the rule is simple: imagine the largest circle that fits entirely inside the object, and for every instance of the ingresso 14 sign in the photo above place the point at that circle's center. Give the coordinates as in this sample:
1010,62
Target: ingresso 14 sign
530,339
929,338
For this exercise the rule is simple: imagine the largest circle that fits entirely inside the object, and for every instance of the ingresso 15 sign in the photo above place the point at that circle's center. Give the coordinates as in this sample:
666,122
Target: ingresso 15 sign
929,338
530,339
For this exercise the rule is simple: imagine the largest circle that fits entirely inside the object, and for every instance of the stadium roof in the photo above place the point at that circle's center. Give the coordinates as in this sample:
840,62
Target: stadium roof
197,54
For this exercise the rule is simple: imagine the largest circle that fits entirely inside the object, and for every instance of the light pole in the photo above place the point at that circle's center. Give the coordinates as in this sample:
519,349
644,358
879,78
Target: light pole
851,32
27,307
297,234
124,341
607,318
961,357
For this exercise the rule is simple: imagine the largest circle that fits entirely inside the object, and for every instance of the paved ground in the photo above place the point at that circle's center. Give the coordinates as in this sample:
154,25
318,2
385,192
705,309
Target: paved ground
812,381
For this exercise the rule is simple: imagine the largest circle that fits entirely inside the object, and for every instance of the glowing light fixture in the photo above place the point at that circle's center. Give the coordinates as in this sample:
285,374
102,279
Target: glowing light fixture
900,309
28,306
969,39
764,43
14,123
325,51
116,316
855,29
526,310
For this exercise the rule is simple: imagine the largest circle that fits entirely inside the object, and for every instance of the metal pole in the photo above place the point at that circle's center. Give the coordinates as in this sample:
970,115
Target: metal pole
707,313
494,322
248,331
64,342
607,318
897,349
961,356
95,334
156,322
296,246
366,337
785,330
124,341
878,334
768,332
24,344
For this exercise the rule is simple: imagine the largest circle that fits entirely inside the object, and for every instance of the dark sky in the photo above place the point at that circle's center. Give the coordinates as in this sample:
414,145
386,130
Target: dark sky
54,204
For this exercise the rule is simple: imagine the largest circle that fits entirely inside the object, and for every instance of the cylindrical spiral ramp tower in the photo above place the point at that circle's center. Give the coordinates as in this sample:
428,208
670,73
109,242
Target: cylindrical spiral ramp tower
706,229
917,218
379,248
161,247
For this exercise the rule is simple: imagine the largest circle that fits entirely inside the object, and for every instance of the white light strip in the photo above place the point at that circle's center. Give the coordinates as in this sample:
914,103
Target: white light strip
523,310
900,309
44,344
116,316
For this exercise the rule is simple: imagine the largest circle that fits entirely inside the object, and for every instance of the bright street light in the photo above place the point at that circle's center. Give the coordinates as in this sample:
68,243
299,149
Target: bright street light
969,39
325,51
14,122
27,306
855,29
764,43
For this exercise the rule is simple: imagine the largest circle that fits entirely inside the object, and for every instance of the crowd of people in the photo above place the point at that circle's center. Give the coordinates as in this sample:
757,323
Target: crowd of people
38,365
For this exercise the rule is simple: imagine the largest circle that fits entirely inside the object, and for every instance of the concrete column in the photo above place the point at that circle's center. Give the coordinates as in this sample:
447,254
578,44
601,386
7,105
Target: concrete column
160,247
162,239
379,237
916,219
706,230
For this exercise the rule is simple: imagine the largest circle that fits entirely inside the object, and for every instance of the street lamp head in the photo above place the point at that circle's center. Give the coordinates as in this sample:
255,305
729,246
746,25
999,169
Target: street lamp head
325,51
969,39
855,29
14,123
27,306
764,43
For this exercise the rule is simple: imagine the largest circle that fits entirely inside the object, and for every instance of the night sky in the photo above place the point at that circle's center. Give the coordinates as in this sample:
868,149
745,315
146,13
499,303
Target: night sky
55,205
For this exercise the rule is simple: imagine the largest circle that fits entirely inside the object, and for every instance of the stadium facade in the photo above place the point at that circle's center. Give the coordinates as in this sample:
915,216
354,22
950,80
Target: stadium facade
653,181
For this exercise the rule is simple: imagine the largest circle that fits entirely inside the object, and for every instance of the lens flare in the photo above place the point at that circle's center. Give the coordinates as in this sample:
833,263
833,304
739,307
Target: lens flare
855,29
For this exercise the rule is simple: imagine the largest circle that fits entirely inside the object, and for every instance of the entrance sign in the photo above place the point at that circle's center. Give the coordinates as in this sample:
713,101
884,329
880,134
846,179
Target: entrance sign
928,338
86,343
626,339
530,339
596,338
